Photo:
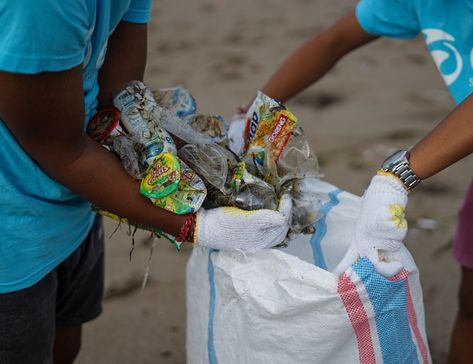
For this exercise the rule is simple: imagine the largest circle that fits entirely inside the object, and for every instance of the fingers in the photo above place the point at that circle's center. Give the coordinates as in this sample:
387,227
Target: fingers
279,237
282,217
383,231
386,269
381,224
267,219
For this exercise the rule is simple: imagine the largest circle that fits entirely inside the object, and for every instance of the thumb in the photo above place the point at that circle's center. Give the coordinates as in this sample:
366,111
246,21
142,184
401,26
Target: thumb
386,269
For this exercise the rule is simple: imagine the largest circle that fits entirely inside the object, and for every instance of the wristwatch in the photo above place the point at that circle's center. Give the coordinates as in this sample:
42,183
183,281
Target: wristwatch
398,165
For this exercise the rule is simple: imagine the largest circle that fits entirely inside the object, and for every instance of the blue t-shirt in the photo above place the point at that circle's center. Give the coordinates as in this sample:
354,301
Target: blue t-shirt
41,221
447,28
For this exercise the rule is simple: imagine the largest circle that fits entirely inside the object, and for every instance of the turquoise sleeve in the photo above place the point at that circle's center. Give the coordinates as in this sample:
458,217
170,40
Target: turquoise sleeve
388,18
139,11
42,35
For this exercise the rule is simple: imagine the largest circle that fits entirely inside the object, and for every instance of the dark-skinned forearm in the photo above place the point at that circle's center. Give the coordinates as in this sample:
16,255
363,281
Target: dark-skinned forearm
45,113
125,60
98,176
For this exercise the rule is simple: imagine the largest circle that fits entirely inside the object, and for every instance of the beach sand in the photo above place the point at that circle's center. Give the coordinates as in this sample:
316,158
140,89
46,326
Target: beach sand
380,98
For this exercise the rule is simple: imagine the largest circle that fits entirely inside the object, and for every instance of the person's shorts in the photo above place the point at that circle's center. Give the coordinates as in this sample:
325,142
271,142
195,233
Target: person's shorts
463,239
68,296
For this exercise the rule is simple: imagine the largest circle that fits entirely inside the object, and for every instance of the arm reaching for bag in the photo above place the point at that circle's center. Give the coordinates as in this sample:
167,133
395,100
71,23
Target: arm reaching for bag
381,226
316,57
376,229
51,130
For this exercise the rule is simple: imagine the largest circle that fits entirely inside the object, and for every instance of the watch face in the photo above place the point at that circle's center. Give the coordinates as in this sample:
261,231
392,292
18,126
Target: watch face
394,159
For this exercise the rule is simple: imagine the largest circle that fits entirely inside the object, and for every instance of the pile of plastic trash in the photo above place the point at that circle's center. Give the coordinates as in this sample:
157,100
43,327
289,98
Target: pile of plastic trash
186,160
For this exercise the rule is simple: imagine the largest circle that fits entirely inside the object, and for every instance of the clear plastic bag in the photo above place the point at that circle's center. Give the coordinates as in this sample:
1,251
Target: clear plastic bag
211,162
126,149
213,126
297,160
178,100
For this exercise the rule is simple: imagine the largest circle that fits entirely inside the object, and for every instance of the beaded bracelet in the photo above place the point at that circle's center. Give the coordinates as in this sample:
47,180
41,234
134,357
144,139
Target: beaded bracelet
185,234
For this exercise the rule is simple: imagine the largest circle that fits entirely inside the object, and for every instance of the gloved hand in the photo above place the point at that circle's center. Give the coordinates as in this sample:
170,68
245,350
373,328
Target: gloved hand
381,226
230,228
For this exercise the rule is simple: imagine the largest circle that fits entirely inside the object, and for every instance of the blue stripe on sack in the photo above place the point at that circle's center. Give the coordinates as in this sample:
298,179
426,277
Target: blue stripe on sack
388,299
321,229
210,327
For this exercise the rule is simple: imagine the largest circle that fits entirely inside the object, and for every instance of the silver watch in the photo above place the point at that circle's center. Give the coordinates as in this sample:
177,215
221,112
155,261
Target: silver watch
398,164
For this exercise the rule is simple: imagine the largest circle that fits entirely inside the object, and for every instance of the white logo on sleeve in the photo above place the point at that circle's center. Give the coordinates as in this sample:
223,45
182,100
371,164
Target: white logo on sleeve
445,55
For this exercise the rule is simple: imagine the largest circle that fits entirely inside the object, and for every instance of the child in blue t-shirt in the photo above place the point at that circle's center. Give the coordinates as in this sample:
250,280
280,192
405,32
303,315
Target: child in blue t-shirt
60,62
447,28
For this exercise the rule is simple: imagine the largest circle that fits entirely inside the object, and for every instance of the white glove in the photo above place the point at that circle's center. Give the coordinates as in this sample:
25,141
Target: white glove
381,226
230,228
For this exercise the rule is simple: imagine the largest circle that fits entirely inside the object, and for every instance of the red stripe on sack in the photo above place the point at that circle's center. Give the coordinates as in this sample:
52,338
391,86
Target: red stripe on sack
403,274
358,318
411,314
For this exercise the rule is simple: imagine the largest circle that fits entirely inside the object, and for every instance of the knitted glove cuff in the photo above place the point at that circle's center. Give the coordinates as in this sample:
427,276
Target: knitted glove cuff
383,185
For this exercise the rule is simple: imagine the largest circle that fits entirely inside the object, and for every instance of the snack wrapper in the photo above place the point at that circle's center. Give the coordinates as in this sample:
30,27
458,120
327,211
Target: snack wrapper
188,197
253,116
268,130
274,130
162,177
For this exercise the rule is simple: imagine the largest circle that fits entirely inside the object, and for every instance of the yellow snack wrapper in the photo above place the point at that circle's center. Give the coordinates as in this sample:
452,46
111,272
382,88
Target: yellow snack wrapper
189,195
162,177
273,131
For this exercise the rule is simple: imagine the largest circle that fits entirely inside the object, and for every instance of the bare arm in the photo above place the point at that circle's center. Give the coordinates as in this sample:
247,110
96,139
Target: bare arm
315,57
45,113
448,142
125,60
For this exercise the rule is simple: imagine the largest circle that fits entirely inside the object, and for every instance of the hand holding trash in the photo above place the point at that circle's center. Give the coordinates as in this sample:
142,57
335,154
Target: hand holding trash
264,163
230,228
381,226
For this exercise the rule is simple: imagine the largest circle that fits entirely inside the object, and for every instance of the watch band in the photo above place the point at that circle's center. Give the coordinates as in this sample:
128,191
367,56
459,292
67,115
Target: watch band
398,165
406,175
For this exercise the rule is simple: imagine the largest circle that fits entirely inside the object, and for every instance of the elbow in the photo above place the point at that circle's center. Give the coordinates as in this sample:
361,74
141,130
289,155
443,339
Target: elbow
61,159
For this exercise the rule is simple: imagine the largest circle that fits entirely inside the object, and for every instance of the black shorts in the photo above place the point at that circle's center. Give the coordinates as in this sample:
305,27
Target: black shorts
68,296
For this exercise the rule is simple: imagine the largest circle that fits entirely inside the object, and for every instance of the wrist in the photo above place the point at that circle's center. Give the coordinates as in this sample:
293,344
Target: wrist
186,232
392,180
398,166
387,186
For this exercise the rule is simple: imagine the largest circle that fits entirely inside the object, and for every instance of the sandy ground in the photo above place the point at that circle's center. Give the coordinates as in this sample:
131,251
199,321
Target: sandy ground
384,96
